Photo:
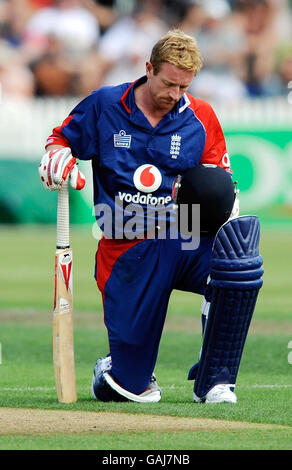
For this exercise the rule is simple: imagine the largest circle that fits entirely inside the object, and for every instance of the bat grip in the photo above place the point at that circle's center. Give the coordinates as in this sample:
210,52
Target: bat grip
63,216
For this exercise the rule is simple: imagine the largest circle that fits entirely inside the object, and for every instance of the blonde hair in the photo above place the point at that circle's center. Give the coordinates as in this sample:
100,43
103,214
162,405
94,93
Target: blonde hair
178,49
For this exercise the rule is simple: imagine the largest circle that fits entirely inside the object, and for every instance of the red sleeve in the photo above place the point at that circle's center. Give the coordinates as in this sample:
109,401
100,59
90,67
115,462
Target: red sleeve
56,138
215,150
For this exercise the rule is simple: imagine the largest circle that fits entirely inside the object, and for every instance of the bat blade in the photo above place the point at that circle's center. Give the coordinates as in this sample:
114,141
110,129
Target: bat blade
63,336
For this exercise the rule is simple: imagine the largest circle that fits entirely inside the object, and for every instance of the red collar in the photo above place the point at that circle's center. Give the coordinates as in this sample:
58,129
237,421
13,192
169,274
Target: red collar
126,94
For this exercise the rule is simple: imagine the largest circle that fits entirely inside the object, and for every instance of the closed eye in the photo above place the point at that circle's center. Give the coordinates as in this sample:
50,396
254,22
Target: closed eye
174,85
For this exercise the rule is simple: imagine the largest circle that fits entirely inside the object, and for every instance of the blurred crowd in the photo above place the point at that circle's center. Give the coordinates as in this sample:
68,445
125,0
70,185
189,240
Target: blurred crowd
71,47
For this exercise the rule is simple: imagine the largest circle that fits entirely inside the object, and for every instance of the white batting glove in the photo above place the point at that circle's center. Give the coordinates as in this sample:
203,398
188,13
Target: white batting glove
56,166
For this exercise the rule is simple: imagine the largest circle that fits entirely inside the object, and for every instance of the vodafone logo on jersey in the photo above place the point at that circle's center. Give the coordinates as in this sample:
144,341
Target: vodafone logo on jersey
147,178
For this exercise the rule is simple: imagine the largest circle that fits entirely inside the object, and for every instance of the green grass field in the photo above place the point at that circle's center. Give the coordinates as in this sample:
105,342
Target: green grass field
262,418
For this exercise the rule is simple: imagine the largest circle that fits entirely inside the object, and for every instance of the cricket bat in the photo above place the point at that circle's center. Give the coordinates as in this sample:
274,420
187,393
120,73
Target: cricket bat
63,338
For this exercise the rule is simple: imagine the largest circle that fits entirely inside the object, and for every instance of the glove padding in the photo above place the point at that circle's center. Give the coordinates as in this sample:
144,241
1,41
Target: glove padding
55,167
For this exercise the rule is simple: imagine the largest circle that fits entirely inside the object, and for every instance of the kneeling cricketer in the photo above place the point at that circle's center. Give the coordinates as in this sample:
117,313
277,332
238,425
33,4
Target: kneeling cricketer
155,149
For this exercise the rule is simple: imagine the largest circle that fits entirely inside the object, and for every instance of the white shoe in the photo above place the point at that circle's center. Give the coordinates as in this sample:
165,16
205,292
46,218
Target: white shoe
152,394
102,379
219,394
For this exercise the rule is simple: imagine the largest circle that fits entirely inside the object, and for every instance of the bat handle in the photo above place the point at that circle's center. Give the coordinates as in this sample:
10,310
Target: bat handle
63,217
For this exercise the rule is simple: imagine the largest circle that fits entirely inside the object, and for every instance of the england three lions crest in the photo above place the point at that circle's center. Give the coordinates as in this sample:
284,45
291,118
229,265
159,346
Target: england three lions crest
175,146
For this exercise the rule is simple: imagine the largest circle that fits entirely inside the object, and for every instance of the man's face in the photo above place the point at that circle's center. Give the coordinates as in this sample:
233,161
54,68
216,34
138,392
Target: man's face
168,85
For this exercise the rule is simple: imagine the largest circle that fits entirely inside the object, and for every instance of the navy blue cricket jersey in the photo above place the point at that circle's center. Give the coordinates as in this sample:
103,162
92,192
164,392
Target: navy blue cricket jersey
133,162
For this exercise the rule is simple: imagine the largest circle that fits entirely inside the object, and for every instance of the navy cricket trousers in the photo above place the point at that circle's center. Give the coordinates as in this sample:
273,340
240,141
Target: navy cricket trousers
136,279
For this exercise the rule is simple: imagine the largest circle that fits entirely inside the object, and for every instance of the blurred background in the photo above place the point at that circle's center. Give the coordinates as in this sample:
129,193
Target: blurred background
55,52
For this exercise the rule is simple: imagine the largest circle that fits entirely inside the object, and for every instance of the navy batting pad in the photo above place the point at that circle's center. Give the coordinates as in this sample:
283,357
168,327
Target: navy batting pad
236,277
